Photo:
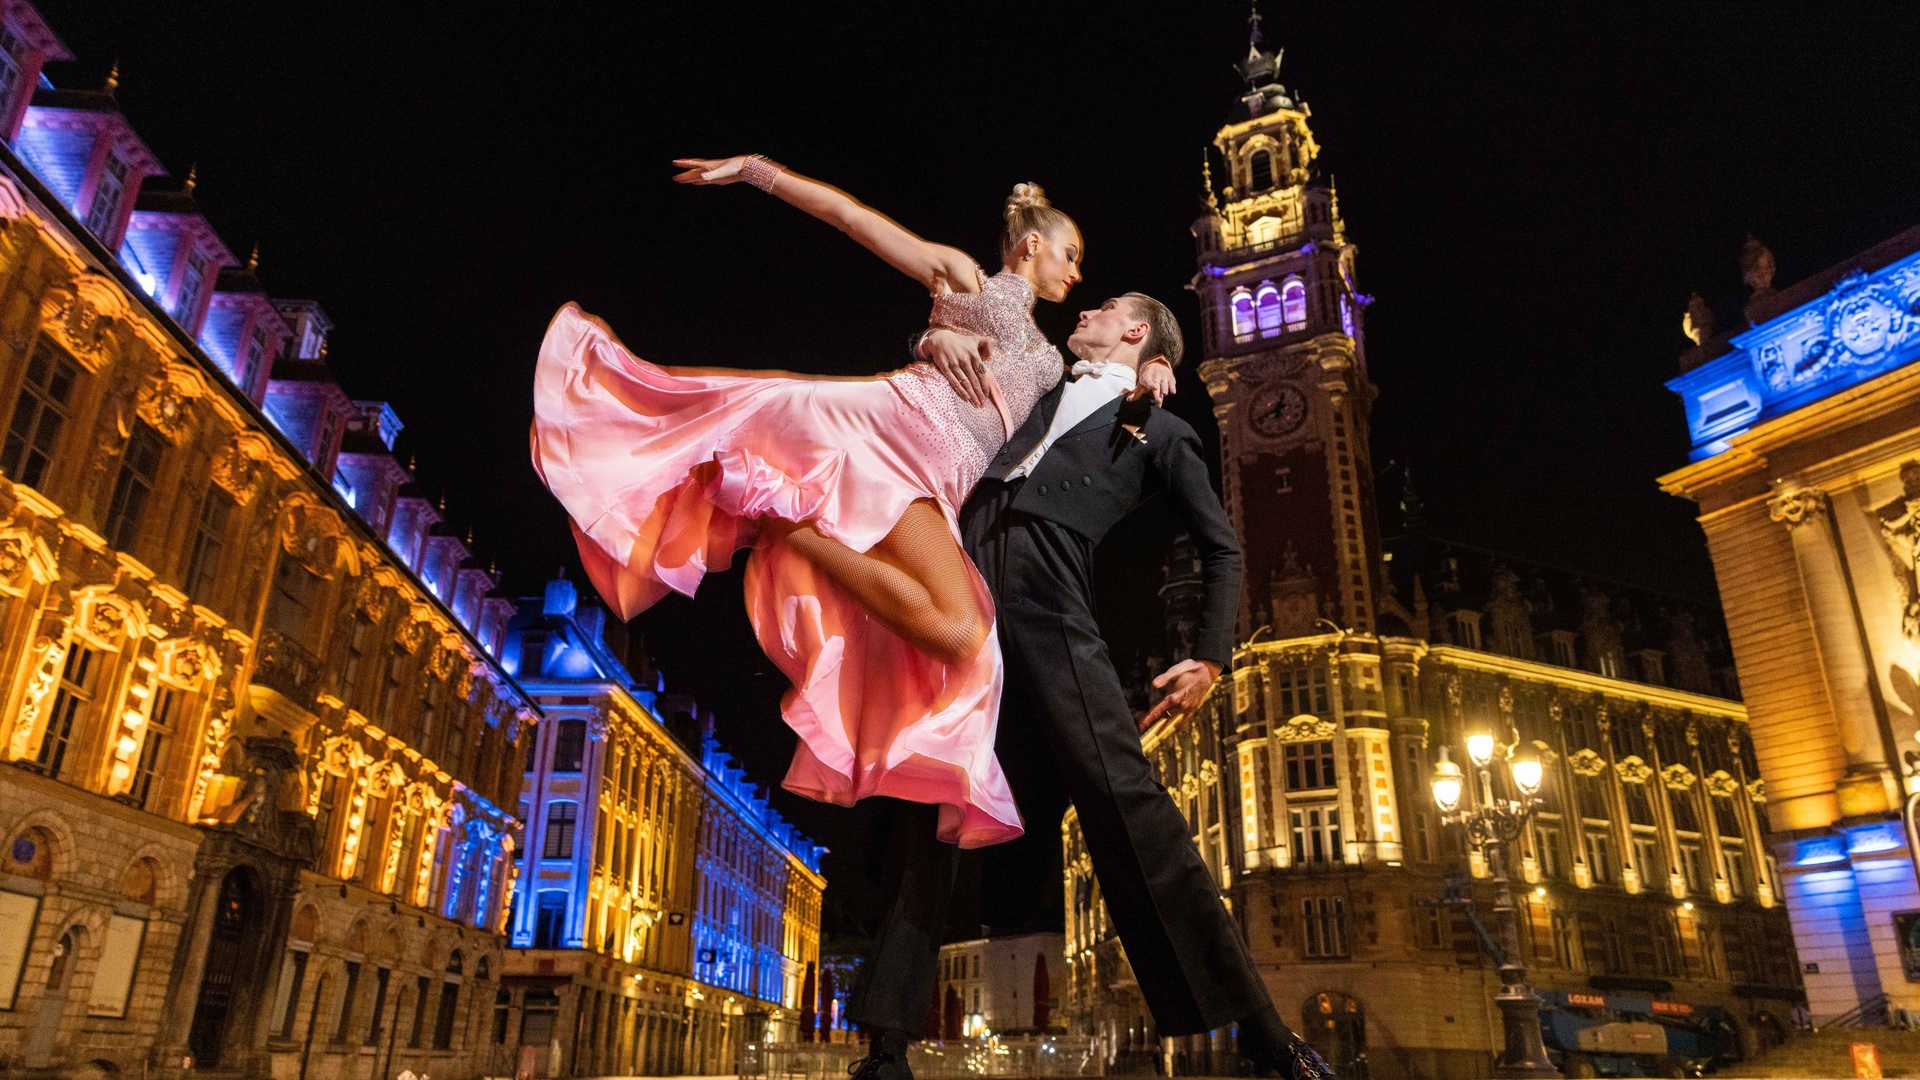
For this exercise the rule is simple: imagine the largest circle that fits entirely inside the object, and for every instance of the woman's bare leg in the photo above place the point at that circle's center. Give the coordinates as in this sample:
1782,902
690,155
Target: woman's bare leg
916,581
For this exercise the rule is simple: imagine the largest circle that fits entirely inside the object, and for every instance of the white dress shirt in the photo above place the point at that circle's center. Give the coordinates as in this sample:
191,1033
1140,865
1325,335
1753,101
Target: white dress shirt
1092,384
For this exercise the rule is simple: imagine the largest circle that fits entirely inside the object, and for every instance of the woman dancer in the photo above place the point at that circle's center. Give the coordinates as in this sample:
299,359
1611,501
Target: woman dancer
847,490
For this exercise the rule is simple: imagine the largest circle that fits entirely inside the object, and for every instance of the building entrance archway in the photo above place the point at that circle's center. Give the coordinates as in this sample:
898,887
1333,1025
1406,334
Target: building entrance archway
1336,1025
234,940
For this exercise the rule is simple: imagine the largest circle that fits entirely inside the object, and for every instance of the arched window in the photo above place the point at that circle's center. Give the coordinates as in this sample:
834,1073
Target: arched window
1267,305
1293,299
1242,305
1261,166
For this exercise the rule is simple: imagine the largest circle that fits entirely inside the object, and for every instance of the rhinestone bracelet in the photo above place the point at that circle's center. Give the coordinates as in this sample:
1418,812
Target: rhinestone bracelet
760,172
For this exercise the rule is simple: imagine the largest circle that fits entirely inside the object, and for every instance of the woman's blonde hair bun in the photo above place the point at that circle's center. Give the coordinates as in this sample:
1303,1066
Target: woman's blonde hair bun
1029,211
1025,197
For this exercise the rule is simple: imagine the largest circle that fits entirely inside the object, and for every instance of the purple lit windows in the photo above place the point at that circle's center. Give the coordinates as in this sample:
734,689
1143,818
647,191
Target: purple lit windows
1242,305
1293,301
106,196
256,351
1266,304
191,280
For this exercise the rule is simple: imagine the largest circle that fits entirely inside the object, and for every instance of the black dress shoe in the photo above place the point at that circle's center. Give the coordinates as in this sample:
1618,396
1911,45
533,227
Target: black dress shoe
881,1065
886,1058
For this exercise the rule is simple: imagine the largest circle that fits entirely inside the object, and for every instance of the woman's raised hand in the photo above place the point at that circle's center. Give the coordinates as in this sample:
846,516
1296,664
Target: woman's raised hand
709,170
1154,377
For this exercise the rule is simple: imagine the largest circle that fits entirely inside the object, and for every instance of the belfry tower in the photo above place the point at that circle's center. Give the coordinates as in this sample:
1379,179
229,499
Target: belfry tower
1286,366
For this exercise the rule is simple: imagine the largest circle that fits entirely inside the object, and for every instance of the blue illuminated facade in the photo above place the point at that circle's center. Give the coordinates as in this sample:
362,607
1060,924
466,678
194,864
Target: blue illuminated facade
677,908
1864,326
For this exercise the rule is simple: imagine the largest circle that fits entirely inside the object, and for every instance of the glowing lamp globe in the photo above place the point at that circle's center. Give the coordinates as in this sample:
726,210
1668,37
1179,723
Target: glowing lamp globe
1527,775
1447,783
1480,748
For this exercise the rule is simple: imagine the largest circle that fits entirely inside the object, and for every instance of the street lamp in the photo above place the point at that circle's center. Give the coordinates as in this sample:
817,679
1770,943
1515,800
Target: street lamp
1491,824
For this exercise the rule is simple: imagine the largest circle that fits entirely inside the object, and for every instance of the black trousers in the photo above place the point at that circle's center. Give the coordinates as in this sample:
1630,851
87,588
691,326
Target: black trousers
1187,953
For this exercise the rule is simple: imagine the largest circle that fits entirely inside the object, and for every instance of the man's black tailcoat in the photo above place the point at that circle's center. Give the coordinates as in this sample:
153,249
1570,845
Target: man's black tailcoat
1033,540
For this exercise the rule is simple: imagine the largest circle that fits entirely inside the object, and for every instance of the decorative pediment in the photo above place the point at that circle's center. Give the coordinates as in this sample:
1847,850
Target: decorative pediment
239,466
25,560
1586,762
81,315
1306,727
166,401
103,619
414,626
1720,783
188,662
1678,777
1547,754
315,535
1633,770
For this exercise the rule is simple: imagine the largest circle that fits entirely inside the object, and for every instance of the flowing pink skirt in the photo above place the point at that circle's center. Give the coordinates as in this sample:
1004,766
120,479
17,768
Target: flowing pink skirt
664,473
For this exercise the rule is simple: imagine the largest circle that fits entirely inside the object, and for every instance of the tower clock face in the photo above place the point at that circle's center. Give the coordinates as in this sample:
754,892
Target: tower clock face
1278,410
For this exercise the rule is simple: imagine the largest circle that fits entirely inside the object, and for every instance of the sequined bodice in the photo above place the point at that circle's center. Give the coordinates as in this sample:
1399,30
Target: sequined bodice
1024,363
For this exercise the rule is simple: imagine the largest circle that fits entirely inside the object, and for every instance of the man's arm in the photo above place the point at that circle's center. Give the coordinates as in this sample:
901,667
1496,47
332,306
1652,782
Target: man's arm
1184,476
1190,490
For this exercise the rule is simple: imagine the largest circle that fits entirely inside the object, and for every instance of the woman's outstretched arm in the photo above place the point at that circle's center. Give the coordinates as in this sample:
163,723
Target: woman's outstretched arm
940,268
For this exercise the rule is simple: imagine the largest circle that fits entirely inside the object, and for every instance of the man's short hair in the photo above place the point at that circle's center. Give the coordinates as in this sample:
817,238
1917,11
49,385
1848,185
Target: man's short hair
1163,330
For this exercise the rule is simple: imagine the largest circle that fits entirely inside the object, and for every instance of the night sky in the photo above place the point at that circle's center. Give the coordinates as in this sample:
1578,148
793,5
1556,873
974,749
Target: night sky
1534,194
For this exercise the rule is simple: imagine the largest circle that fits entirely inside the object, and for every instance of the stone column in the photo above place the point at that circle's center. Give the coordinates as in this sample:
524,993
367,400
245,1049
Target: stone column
1848,669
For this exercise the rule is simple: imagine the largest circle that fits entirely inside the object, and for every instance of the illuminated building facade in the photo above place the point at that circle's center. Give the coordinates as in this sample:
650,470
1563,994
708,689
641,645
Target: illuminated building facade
1805,424
262,754
1008,984
667,916
1647,892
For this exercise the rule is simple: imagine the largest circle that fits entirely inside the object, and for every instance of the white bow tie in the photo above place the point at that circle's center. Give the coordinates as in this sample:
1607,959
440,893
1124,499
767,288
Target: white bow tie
1096,368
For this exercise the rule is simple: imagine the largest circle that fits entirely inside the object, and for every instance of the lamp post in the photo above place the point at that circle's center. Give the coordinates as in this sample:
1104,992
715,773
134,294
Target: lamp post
1491,824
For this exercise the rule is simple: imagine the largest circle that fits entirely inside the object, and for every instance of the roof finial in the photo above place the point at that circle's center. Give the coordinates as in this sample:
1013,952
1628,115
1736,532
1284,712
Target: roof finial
469,536
253,260
1253,26
113,78
1206,176
193,176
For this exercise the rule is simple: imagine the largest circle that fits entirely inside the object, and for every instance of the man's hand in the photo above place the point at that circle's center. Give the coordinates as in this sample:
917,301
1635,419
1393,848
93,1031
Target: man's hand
962,358
1190,680
1154,377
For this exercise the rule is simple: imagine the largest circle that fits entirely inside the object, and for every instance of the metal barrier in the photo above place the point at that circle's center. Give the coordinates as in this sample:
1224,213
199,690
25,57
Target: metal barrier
960,1059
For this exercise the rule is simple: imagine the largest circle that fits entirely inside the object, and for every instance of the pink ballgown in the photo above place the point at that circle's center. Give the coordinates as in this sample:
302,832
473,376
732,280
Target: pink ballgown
665,471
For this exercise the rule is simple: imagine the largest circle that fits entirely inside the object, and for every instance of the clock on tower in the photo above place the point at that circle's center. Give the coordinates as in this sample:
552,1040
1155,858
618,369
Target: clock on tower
1286,366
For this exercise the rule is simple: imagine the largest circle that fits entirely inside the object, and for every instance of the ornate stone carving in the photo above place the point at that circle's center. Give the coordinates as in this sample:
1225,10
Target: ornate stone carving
1677,777
166,401
1900,533
1306,728
315,535
49,652
1865,323
1757,789
83,315
238,467
1633,770
1794,508
187,661
1586,762
1718,782
25,559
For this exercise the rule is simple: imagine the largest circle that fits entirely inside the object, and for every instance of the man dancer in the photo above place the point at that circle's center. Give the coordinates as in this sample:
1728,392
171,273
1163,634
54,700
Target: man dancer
1086,457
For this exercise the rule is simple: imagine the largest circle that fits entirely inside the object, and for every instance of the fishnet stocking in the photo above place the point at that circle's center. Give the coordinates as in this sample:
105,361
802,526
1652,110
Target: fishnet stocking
916,581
